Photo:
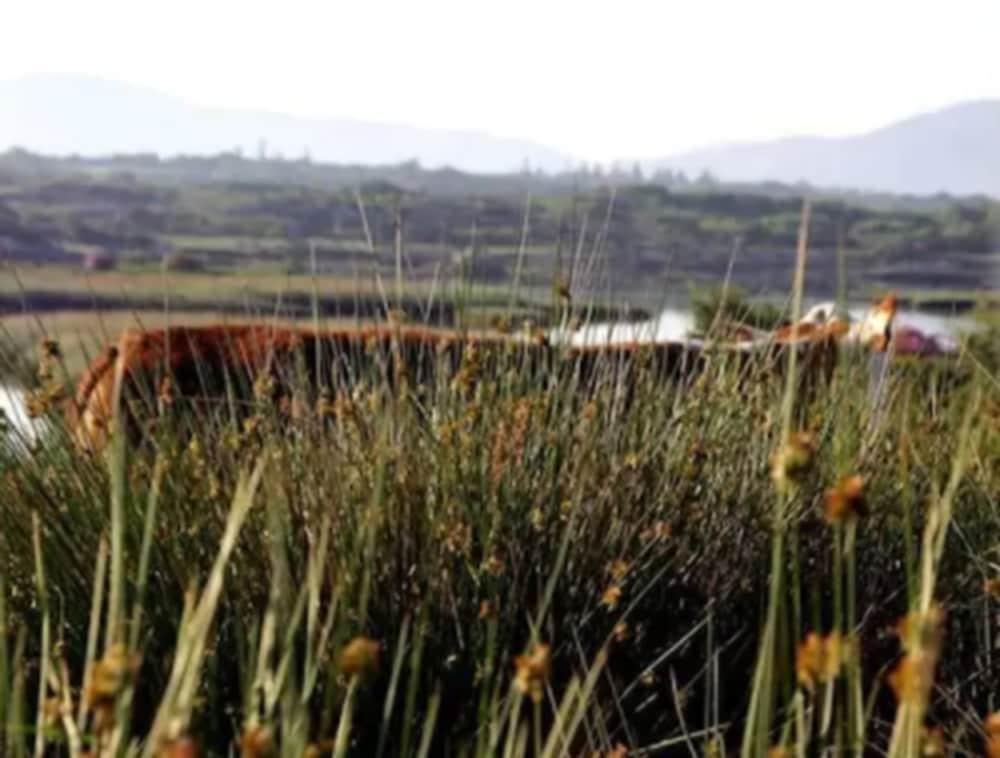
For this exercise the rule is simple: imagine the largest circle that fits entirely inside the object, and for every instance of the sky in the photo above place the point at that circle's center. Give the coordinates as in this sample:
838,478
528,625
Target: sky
598,80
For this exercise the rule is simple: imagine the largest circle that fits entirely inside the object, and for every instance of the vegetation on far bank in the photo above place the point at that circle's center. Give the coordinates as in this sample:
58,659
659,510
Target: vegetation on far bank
651,233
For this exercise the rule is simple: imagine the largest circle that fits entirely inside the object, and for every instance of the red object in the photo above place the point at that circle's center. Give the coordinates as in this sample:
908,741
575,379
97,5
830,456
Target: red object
906,340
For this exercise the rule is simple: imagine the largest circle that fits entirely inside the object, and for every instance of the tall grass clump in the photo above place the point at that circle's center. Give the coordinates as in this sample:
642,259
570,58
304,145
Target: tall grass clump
497,560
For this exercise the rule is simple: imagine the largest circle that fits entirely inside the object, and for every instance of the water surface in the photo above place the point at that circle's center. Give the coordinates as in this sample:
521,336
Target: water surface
13,410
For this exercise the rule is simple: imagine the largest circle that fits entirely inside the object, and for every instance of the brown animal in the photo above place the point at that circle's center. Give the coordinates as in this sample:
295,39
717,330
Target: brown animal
233,366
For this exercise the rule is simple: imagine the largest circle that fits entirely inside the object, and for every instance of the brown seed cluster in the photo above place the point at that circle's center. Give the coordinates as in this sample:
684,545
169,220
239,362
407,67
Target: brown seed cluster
992,588
819,659
618,751
182,747
611,596
455,535
256,742
494,565
509,439
913,677
51,392
263,387
469,371
658,531
531,671
358,657
108,678
992,728
932,742
791,462
846,501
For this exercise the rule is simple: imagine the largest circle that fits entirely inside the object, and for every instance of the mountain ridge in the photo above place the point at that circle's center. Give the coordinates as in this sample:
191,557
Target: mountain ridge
955,149
67,115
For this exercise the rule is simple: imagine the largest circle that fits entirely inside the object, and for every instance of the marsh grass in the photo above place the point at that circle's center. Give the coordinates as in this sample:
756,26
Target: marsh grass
497,562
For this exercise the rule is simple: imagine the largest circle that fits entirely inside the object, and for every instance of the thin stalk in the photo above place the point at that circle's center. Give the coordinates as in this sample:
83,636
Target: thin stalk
46,642
760,711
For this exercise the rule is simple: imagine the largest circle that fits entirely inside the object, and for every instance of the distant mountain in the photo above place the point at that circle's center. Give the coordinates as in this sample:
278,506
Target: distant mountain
955,150
78,115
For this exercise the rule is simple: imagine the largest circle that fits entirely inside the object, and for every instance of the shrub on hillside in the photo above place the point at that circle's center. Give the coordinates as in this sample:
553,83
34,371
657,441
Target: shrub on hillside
183,263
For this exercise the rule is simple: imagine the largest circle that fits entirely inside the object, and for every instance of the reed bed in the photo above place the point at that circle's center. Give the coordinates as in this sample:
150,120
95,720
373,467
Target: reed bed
494,562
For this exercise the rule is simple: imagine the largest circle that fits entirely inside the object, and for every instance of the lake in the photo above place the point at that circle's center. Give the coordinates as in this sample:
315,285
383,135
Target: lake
12,408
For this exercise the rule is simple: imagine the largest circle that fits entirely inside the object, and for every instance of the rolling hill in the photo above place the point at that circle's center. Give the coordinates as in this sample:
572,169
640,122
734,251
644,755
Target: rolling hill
67,115
954,150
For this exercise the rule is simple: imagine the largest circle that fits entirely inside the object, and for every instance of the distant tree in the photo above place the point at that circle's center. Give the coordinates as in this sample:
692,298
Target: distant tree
99,261
637,176
706,180
182,262
664,176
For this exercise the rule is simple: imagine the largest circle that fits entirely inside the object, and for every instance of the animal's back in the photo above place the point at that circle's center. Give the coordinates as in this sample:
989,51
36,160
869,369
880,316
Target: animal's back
206,365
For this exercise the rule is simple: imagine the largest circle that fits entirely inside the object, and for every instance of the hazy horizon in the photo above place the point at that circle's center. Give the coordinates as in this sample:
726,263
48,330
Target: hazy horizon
485,131
638,83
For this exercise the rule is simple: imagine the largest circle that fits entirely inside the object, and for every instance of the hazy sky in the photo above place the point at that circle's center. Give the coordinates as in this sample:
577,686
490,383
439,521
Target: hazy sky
599,80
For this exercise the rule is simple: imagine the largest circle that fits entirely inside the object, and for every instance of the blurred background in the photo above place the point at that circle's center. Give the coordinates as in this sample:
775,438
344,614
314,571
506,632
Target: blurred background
629,154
